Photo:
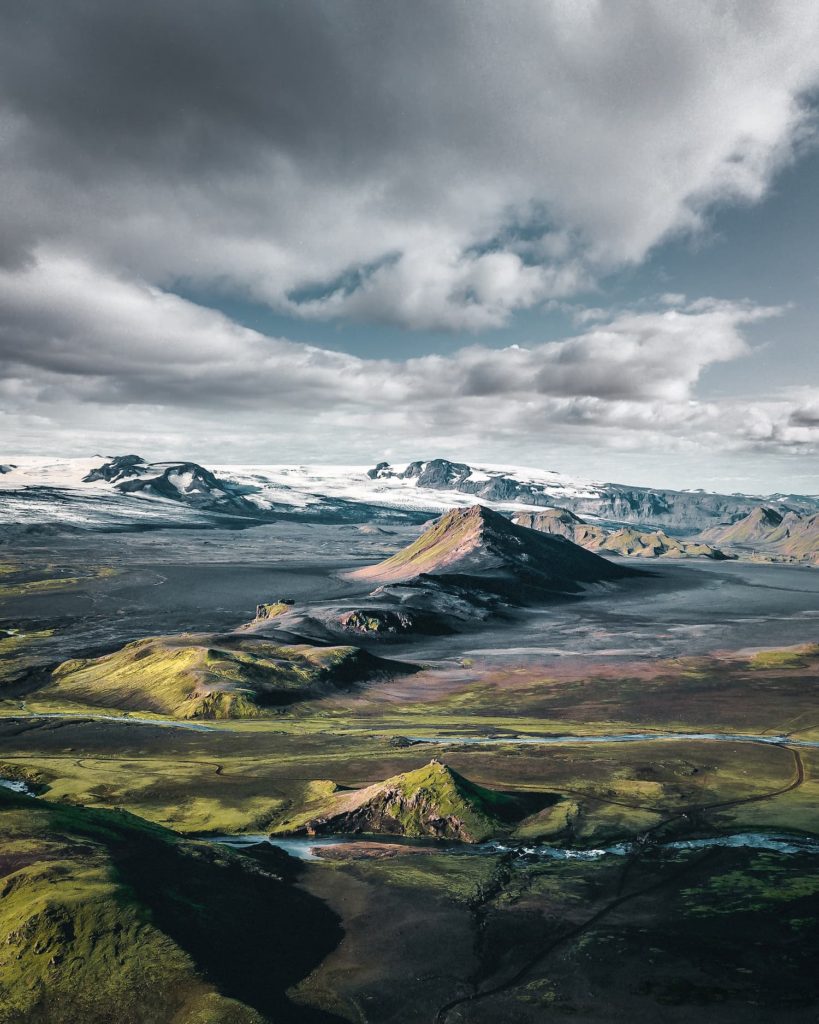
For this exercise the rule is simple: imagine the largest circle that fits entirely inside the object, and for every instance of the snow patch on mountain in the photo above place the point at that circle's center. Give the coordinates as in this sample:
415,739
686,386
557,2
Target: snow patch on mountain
265,492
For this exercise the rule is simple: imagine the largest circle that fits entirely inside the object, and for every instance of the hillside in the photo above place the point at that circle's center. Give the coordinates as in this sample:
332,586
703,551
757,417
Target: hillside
756,527
483,548
433,801
627,541
104,917
766,531
202,676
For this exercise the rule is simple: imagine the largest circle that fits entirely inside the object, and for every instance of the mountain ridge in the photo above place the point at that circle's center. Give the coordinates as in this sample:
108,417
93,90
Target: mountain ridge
769,532
139,494
615,502
627,542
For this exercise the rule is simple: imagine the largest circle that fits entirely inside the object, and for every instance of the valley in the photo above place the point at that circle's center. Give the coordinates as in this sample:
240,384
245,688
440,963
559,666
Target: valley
409,512
495,763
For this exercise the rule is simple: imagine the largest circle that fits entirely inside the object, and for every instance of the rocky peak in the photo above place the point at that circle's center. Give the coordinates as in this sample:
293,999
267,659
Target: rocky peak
117,468
436,473
482,547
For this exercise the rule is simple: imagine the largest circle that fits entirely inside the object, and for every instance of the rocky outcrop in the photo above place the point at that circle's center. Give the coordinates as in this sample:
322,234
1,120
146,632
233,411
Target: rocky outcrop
380,472
440,474
377,621
386,623
273,609
192,484
120,467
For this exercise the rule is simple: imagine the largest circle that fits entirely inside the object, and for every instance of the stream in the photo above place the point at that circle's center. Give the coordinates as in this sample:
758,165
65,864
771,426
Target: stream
622,737
126,719
455,740
307,848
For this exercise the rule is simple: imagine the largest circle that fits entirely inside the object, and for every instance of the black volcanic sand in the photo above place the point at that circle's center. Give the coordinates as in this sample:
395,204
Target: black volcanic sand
202,581
178,581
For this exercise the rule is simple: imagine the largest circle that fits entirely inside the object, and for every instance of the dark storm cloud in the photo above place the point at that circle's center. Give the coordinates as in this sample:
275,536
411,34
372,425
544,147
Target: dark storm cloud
466,159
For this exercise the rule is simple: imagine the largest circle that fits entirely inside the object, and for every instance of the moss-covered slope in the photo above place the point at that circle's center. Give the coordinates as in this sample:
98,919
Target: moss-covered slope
202,676
432,801
105,918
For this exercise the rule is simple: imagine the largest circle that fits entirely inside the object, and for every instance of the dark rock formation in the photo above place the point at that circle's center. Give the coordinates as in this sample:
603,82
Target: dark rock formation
120,467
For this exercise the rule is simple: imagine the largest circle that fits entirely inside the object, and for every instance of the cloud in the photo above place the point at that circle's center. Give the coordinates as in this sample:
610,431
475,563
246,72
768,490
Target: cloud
92,351
432,165
434,288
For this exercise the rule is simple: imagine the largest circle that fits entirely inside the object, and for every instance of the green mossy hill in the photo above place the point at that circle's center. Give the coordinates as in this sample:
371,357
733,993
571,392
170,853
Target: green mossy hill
106,918
479,544
433,801
627,542
202,676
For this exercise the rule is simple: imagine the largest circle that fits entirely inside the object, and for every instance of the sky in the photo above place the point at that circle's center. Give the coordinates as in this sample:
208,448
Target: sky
566,234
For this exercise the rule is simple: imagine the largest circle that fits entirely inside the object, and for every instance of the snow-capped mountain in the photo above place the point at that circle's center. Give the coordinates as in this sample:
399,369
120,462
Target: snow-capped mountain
127,491
523,488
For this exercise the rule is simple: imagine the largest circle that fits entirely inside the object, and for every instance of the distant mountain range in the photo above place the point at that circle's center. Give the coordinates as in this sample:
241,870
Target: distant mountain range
626,541
770,533
128,492
616,503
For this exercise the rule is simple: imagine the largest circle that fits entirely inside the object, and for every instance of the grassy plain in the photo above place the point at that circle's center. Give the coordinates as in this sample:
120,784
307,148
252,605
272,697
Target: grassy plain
249,775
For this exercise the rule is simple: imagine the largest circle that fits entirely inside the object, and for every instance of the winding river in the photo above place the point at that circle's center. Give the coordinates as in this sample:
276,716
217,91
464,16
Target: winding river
447,740
617,737
308,848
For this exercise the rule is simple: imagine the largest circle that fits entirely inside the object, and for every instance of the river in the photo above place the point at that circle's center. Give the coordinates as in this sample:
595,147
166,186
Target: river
307,848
